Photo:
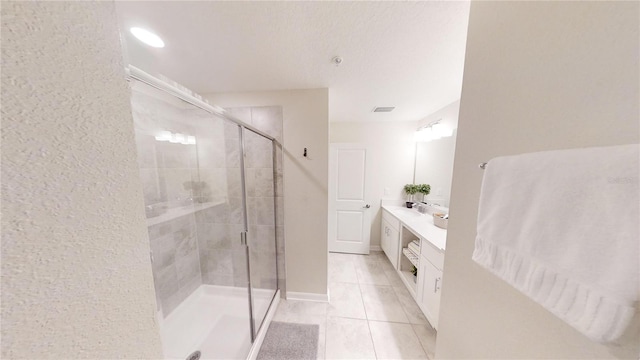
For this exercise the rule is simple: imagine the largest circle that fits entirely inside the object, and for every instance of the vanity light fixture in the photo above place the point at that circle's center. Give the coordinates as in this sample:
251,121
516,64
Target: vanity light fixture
432,131
164,136
381,109
147,37
176,138
423,134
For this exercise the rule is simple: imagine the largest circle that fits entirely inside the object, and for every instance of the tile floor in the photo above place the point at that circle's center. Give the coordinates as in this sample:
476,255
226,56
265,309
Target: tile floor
371,314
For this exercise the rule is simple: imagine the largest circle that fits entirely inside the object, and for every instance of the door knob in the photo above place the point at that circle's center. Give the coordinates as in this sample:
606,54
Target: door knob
367,206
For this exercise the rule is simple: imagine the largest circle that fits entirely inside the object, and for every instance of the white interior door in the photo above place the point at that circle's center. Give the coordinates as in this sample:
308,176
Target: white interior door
349,211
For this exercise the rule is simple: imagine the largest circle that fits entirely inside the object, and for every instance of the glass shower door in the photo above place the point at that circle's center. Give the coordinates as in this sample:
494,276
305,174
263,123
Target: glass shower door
261,235
221,228
190,167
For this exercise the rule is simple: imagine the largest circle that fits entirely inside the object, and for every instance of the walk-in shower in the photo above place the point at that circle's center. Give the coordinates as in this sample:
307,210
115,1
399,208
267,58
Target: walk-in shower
209,183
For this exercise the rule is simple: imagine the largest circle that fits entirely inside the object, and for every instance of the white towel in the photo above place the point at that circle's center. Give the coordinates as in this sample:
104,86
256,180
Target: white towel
413,247
563,228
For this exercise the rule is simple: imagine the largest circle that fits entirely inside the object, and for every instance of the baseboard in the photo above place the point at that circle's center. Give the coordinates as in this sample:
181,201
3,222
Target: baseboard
291,295
375,248
257,344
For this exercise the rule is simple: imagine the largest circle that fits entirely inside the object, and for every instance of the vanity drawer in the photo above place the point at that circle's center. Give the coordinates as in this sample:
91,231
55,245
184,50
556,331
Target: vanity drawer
435,256
395,223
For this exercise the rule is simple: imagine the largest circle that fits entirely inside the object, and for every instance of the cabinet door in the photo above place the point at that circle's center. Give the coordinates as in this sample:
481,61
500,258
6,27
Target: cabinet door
429,285
389,242
394,246
384,241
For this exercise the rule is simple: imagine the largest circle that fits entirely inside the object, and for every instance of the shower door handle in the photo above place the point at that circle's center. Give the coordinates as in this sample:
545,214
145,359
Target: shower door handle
243,238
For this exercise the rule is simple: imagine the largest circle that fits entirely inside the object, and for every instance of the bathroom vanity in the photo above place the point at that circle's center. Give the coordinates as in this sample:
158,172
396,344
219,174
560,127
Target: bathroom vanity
401,227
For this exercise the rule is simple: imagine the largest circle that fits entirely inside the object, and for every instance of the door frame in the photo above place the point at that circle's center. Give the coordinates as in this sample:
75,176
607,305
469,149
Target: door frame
332,223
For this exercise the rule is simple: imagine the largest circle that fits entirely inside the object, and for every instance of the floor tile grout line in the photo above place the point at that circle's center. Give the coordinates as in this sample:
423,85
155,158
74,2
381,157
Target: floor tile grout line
366,316
387,321
326,326
426,353
396,292
406,313
367,320
378,260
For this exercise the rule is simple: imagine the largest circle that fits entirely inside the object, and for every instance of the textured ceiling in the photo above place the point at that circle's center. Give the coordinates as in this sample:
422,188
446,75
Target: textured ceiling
404,54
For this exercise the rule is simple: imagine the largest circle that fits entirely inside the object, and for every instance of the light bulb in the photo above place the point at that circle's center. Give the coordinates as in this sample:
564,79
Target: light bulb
437,130
147,37
424,134
163,136
417,136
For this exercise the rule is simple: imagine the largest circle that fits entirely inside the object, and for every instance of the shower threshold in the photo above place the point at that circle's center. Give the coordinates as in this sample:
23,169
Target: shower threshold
215,321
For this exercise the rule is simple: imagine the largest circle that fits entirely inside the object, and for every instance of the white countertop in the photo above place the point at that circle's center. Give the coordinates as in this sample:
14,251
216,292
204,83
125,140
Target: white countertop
420,224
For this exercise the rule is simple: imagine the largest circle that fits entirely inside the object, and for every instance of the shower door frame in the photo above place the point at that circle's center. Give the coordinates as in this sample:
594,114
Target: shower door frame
244,241
133,72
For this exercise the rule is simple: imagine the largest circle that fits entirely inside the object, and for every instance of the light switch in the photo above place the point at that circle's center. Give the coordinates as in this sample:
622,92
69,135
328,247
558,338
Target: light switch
387,191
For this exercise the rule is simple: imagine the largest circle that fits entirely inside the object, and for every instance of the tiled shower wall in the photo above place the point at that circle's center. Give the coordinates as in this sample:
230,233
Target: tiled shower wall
201,247
176,266
222,261
260,192
177,176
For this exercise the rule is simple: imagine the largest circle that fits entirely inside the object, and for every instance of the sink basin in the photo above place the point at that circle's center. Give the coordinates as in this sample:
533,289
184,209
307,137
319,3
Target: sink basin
409,212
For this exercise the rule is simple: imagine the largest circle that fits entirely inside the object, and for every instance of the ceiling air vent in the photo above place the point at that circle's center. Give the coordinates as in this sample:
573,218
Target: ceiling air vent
383,109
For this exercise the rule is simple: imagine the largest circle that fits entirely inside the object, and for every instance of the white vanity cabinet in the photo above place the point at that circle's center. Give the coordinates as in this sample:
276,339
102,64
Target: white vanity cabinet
389,237
430,282
400,226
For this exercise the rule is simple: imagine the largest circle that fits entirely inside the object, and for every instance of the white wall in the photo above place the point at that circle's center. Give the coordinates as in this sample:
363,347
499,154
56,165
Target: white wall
305,125
538,76
434,159
76,274
391,147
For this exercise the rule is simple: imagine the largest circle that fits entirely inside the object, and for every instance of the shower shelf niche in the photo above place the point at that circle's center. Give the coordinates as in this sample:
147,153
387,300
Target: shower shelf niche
177,212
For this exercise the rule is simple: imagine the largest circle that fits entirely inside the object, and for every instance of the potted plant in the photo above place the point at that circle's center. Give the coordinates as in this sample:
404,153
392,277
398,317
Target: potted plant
410,190
423,189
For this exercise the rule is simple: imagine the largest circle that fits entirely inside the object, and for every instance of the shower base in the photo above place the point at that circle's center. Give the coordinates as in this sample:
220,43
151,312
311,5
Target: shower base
215,321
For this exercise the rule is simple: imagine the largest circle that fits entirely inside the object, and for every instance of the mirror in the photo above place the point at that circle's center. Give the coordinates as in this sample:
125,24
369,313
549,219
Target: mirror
434,159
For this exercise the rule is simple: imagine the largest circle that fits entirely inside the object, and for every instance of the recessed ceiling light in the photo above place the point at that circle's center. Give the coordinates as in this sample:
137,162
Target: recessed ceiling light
383,108
147,37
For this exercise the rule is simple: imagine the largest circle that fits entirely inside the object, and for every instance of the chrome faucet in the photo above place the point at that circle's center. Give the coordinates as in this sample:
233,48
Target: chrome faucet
422,208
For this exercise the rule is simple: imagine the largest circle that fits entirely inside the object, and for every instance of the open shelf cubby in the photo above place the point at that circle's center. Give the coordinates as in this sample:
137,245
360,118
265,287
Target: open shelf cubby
408,259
